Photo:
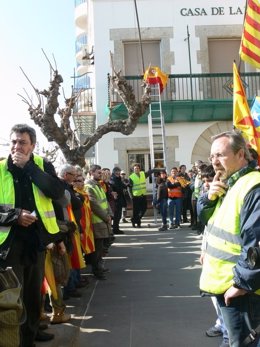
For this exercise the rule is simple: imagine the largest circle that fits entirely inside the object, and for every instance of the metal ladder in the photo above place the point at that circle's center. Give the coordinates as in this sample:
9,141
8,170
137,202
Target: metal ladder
156,129
157,141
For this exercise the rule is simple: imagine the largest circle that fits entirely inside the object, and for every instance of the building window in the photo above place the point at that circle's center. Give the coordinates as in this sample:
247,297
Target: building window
133,60
222,53
142,158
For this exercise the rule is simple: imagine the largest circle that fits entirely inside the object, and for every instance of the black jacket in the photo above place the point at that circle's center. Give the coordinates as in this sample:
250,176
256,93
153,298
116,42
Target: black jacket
118,186
35,237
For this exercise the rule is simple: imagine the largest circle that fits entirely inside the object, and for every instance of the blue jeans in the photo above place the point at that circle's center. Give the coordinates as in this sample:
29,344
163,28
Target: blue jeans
72,281
175,204
220,324
163,210
234,317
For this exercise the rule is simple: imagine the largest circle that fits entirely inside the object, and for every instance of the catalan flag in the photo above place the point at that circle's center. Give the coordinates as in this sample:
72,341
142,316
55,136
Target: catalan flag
242,119
49,275
250,43
255,112
87,236
153,75
76,256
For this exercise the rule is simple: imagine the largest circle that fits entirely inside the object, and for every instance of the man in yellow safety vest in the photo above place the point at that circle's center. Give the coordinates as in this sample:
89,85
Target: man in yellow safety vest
138,193
28,223
230,209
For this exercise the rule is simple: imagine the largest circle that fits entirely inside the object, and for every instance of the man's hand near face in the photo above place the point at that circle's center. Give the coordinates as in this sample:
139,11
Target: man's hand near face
20,159
217,187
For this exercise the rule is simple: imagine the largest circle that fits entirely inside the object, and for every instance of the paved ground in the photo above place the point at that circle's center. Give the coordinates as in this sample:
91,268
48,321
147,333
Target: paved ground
150,298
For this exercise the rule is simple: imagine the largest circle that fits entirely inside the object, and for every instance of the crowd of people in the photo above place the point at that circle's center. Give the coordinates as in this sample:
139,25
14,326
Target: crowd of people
54,223
177,195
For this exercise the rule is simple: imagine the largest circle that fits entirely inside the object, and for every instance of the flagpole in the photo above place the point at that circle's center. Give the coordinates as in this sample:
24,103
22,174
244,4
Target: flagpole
188,41
139,33
239,61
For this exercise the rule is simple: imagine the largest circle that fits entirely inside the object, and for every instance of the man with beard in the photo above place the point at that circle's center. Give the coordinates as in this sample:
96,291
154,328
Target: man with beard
101,219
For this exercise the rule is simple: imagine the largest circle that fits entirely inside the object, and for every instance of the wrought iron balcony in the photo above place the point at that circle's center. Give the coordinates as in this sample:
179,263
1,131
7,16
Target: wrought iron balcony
83,112
196,87
191,97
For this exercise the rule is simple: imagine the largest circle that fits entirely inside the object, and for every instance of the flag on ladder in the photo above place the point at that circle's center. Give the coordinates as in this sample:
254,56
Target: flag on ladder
242,119
250,43
154,75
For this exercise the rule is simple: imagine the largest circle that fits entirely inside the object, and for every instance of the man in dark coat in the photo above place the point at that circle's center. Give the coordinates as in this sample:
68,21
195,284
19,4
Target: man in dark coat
118,187
28,220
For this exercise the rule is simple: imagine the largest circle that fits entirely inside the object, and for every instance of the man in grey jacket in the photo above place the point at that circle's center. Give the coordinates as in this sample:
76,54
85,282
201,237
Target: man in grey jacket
101,219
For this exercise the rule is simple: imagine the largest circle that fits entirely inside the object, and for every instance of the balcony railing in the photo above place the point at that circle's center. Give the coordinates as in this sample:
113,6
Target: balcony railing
194,87
84,103
81,42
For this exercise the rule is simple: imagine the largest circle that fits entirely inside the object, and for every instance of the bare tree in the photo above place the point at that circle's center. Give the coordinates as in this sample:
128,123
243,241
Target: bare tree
48,106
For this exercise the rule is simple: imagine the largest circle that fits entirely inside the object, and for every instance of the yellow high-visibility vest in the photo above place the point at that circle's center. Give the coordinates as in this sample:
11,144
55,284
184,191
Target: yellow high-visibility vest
101,200
139,184
43,204
224,240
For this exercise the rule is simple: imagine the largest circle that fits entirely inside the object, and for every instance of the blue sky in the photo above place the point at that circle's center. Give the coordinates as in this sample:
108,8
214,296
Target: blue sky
27,26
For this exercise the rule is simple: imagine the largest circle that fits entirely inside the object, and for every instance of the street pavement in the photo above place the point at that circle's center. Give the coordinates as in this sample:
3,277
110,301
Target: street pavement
150,298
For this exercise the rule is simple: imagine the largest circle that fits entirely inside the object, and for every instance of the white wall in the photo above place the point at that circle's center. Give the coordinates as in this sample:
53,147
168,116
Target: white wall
118,14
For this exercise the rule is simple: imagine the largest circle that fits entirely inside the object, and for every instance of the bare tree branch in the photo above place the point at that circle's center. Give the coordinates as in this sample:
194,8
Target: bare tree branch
51,67
44,114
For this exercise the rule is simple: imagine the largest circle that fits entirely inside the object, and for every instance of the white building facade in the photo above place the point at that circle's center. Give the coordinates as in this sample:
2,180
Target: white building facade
195,44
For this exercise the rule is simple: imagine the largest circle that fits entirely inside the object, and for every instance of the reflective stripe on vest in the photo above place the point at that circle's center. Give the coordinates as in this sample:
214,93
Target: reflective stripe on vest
139,184
43,204
101,200
224,241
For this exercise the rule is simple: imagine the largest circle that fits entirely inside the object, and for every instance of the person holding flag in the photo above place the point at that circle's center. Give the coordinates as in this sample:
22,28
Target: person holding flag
67,174
87,237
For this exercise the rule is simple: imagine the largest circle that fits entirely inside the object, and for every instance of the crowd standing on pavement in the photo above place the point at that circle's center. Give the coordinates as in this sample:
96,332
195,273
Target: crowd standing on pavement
57,222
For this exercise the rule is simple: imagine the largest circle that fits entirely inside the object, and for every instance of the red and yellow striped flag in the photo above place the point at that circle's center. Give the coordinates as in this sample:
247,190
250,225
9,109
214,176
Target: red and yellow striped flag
250,43
153,75
76,256
87,237
242,119
49,275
